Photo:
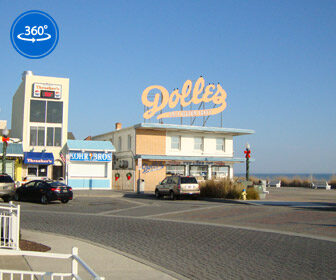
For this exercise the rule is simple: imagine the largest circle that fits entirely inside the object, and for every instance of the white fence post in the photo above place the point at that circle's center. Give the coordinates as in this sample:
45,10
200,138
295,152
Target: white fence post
10,225
74,267
18,213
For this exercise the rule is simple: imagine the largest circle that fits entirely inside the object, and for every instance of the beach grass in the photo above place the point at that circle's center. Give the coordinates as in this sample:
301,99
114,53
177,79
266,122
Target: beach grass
296,182
224,188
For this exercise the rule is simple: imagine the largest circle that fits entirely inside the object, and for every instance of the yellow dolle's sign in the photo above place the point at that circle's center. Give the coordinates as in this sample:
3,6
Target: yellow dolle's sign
194,95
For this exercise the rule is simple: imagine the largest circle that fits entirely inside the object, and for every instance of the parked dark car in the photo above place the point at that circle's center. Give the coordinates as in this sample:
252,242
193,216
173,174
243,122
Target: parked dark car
44,192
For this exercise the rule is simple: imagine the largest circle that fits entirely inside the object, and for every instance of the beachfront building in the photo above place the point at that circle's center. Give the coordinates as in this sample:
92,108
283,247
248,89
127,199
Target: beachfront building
40,121
151,151
88,164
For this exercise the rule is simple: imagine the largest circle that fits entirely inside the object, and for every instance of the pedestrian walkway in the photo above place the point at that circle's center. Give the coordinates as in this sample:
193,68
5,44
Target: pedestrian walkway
106,262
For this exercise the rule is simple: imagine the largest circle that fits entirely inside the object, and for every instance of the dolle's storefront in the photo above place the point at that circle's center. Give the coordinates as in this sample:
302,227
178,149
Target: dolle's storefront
201,169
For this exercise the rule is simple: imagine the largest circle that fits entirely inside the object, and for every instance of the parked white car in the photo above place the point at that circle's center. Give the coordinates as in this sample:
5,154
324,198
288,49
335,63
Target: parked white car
178,186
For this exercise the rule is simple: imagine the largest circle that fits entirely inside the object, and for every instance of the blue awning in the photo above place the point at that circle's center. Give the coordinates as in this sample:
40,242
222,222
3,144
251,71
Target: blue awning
38,158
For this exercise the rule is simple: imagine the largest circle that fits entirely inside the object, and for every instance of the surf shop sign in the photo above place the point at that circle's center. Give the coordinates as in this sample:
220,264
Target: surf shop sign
190,94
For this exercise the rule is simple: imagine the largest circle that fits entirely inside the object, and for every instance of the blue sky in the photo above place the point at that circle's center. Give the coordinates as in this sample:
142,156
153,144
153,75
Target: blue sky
275,59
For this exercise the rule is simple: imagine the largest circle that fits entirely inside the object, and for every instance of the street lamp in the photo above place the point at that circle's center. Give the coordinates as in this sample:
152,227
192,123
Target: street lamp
5,140
247,153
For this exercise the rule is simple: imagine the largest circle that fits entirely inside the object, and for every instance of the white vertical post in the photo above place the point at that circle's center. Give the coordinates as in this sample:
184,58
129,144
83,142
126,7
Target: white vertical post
18,213
74,266
209,172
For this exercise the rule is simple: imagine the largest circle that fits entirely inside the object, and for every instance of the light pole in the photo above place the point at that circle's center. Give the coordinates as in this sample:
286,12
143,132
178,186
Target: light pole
5,140
247,153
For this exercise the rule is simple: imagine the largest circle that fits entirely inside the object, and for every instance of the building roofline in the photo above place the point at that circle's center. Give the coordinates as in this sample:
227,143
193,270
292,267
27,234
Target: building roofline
190,158
158,126
234,131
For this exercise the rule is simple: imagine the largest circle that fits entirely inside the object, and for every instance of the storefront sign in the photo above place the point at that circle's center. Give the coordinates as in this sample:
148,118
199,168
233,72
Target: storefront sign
38,158
147,168
90,156
47,91
214,94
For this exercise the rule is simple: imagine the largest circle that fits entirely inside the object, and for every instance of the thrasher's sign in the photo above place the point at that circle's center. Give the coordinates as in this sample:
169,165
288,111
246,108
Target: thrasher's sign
188,96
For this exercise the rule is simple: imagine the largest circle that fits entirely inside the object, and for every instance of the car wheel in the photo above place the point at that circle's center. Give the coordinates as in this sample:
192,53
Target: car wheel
64,200
157,193
16,197
171,195
44,199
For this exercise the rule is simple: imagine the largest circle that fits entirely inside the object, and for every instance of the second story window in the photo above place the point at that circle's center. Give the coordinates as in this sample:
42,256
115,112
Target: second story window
198,143
220,144
37,135
54,136
129,142
175,142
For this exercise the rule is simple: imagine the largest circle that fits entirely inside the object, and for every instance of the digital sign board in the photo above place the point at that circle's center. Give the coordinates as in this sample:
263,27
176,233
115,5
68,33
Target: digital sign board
47,91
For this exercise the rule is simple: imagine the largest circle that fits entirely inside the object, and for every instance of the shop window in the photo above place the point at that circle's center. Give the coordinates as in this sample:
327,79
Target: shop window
129,142
42,170
54,136
175,142
199,171
220,144
37,135
175,169
32,171
38,171
54,112
37,111
219,172
198,143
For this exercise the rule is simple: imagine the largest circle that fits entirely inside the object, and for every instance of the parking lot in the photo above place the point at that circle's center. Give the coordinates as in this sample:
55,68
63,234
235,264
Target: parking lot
202,239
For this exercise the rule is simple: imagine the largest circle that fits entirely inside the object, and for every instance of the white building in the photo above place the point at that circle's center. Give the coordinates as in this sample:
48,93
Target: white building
40,119
161,149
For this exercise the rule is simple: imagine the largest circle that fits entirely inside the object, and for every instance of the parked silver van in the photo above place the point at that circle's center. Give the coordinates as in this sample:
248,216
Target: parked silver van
7,187
177,186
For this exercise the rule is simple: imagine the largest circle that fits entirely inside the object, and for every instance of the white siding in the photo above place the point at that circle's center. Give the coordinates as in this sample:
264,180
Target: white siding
88,170
124,154
209,149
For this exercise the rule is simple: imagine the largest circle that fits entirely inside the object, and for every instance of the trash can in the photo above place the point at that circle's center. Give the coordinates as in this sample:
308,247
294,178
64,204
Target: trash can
141,186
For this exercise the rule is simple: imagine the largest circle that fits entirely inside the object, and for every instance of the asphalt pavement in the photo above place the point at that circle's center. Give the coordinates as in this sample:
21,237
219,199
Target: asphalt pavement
199,239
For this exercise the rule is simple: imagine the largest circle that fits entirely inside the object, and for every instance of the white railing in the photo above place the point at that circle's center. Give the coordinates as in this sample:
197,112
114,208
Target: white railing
9,225
32,275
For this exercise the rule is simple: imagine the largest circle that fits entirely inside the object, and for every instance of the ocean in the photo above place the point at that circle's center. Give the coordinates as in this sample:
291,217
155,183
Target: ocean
316,176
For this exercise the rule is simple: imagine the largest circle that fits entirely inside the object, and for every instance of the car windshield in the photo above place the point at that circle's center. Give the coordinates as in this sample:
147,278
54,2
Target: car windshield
188,180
